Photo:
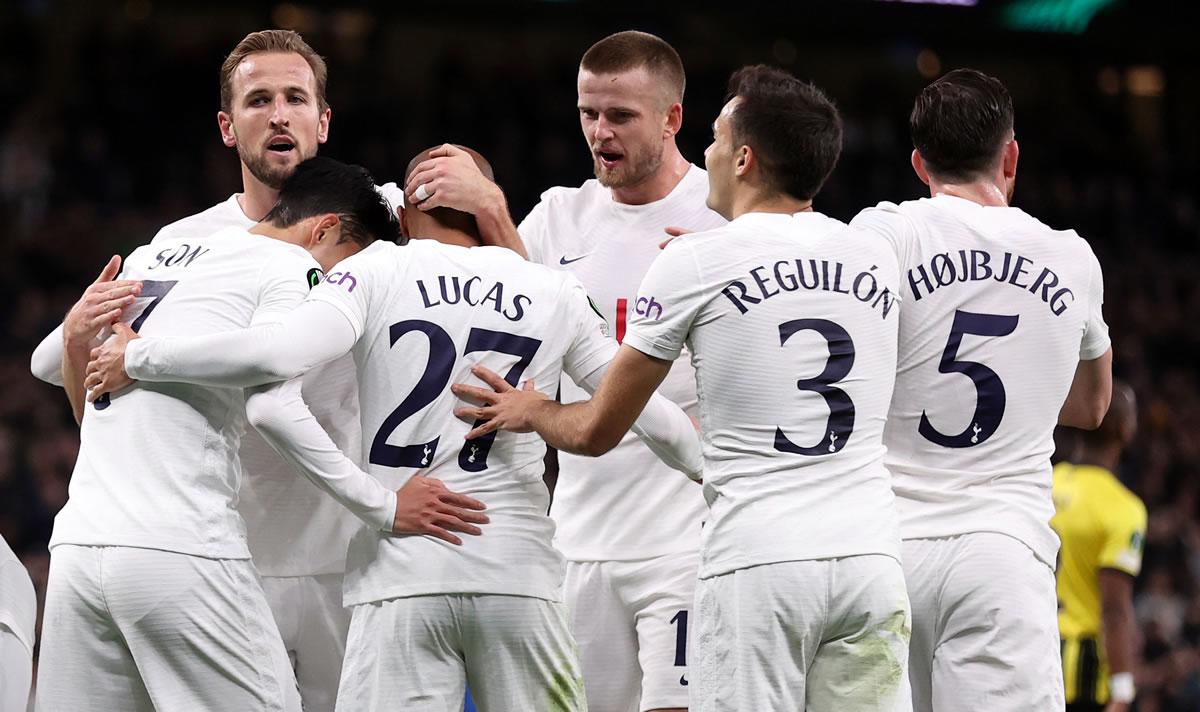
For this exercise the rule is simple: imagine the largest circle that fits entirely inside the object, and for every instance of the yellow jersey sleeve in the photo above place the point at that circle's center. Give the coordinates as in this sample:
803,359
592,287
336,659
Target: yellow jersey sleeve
1124,534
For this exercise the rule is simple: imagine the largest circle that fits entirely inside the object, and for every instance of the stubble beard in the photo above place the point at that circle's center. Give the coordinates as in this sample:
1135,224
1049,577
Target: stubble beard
270,176
640,167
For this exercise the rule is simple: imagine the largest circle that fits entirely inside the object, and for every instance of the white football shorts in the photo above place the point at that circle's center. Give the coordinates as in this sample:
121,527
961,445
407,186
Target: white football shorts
985,626
418,654
825,635
309,613
141,629
632,620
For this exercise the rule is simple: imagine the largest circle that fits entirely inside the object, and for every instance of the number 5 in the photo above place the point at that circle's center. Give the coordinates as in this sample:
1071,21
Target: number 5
990,402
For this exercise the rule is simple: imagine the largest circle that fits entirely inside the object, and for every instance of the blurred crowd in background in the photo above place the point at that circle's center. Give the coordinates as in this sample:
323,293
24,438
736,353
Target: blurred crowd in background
108,131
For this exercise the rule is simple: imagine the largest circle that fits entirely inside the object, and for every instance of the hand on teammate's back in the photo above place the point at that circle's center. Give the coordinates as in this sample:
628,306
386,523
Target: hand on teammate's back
100,305
106,369
504,407
425,506
451,180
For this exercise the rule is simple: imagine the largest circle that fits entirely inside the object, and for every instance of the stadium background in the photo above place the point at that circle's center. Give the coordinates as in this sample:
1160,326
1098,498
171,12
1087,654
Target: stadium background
107,132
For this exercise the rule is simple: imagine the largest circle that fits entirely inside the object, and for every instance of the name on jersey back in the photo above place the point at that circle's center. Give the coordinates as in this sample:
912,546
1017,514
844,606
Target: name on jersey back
813,275
945,269
473,291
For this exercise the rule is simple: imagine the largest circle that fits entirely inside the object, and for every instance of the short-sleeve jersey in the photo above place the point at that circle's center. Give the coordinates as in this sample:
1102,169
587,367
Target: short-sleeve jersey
18,603
1102,526
423,315
791,324
998,311
609,246
158,465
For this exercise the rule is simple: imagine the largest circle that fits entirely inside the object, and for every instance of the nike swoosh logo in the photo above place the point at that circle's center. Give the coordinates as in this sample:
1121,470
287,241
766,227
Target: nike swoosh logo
564,261
683,680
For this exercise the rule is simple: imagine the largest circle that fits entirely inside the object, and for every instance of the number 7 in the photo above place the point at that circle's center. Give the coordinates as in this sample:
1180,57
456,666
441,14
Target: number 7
473,456
156,290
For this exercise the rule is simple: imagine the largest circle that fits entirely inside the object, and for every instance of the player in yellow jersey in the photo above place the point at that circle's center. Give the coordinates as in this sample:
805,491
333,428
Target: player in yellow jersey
1102,525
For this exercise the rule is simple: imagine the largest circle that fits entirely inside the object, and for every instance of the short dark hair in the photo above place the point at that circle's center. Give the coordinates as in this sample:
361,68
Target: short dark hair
322,185
959,122
631,49
793,128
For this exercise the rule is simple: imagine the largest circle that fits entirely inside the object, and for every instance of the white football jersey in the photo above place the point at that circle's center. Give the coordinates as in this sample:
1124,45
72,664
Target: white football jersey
999,309
294,529
423,315
18,603
626,504
158,465
791,322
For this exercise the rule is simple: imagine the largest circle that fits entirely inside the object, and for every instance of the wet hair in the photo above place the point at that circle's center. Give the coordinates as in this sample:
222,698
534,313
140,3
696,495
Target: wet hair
624,51
322,185
959,124
793,128
271,41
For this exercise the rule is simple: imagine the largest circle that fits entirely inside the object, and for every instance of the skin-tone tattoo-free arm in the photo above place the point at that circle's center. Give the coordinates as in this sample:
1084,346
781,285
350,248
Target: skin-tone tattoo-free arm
591,427
1119,626
1090,393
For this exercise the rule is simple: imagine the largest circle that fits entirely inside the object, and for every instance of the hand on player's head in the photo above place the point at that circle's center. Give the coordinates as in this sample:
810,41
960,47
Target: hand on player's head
454,177
425,506
504,407
106,369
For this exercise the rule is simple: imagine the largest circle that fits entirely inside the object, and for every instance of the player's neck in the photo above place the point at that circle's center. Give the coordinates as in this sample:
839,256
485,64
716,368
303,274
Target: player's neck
983,192
257,198
760,202
658,185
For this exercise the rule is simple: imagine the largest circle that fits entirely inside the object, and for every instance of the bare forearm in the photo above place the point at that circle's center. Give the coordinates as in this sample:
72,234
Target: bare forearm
1119,636
496,226
74,369
573,427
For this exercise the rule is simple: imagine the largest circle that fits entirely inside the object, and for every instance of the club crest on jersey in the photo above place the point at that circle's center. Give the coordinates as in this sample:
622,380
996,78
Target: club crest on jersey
342,279
314,277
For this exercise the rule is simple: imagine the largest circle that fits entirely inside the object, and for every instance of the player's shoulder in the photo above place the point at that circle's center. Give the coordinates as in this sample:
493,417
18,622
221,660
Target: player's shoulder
227,213
566,198
1116,495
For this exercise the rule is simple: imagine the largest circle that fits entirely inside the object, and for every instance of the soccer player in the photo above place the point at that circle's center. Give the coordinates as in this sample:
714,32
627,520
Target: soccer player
791,318
1001,335
152,601
18,612
628,526
275,114
1103,527
429,618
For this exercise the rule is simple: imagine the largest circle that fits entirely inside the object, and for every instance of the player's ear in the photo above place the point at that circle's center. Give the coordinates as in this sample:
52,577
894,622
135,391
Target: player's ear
1009,160
326,230
323,125
402,213
745,158
225,124
919,167
674,120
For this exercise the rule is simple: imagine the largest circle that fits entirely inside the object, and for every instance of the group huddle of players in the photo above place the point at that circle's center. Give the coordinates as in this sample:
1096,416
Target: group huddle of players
874,403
